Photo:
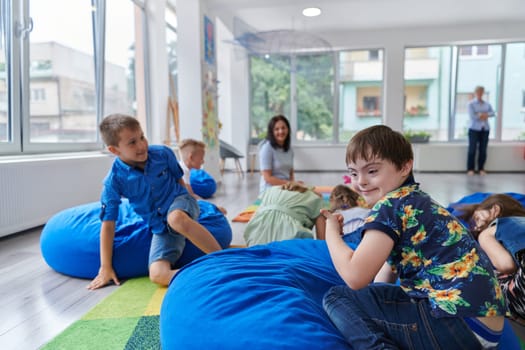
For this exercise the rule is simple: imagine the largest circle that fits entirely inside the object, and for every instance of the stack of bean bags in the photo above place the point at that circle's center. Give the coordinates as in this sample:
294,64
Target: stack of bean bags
70,240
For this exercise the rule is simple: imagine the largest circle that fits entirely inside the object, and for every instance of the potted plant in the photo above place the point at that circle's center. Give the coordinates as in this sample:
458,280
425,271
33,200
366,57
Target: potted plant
417,136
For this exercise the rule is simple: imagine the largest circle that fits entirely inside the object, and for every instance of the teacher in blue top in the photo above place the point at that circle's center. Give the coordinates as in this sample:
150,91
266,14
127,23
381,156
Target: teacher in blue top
276,154
478,133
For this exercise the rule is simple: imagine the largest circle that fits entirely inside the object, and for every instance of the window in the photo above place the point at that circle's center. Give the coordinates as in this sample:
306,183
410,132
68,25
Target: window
315,97
172,134
269,91
54,88
513,103
471,73
123,60
360,90
427,90
62,75
474,51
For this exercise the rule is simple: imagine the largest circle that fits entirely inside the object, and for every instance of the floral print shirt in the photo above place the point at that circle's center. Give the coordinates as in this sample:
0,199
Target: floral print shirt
435,255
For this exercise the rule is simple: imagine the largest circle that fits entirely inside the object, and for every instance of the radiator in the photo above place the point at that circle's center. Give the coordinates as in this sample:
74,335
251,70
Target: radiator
32,189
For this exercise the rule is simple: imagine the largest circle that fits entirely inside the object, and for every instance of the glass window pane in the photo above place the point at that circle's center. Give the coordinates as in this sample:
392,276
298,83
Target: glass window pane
62,80
513,113
121,59
360,91
171,49
427,91
270,91
315,96
4,99
482,69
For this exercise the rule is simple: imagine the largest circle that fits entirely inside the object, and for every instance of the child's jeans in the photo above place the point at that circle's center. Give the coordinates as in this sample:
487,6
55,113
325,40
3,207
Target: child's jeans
382,316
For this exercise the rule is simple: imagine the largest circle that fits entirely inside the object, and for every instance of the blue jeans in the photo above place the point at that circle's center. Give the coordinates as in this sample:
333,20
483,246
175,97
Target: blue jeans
382,316
477,141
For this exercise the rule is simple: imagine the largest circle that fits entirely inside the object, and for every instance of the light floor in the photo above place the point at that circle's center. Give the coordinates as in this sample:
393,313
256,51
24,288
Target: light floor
37,303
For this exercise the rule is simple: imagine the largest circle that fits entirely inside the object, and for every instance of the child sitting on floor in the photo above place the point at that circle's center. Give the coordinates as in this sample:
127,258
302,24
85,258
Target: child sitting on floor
498,223
192,157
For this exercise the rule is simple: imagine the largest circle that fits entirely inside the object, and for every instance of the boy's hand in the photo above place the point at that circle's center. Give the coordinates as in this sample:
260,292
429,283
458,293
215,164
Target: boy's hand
105,275
334,222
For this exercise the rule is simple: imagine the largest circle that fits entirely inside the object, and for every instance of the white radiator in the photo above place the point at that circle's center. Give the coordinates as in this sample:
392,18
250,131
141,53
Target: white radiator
32,189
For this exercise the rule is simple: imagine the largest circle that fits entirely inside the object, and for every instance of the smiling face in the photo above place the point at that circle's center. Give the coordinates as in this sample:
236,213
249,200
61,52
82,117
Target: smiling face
280,132
376,177
132,148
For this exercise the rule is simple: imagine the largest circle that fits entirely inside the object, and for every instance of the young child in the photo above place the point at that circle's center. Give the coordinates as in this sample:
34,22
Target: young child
345,201
151,178
287,211
448,297
192,154
498,223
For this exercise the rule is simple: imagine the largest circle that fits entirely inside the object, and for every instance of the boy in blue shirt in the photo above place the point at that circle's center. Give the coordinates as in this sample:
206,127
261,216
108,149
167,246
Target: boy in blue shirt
448,296
151,178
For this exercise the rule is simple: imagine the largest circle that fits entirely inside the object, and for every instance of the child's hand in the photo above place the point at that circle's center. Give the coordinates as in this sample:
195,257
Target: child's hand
334,221
105,275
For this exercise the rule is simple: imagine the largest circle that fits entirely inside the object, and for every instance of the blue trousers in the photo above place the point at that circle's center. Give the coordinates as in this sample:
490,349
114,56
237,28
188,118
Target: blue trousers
477,141
382,316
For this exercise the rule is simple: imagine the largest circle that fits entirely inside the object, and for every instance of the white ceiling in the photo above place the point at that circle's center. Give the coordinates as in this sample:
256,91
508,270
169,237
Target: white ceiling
344,15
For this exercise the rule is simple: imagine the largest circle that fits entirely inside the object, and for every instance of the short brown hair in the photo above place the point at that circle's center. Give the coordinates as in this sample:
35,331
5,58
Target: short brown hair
113,124
379,141
343,197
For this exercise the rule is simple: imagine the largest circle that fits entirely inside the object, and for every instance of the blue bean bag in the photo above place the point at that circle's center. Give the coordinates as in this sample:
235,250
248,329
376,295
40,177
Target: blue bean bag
70,240
202,183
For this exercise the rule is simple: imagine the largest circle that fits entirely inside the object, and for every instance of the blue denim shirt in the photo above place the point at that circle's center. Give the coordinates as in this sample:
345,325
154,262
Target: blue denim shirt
510,231
475,107
150,191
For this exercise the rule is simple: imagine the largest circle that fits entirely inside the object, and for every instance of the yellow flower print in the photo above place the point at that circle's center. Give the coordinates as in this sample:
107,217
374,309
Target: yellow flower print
457,269
420,236
411,257
408,216
471,258
455,231
401,192
451,295
442,211
424,285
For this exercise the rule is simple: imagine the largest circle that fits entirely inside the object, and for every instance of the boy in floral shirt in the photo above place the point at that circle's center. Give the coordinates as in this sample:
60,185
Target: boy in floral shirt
448,296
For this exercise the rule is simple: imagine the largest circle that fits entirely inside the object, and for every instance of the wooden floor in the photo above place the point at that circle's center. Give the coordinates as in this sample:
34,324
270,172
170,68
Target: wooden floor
38,303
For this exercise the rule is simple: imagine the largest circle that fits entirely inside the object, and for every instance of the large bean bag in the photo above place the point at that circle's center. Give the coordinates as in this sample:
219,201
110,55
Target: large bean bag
70,240
202,183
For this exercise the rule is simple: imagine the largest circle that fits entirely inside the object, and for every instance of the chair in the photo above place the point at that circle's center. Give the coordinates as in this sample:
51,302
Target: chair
228,151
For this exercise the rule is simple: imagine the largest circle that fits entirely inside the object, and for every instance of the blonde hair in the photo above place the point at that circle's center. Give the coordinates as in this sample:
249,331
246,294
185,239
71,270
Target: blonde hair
343,197
188,146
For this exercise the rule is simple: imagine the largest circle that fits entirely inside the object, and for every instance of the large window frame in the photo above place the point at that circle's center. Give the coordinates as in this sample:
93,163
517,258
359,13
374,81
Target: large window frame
16,31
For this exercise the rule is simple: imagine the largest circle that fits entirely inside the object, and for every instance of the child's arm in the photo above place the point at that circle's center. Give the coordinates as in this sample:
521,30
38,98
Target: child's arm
498,255
386,275
357,268
320,227
106,272
188,187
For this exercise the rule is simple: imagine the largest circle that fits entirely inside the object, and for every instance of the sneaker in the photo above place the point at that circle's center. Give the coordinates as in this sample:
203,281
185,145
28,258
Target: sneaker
482,172
470,173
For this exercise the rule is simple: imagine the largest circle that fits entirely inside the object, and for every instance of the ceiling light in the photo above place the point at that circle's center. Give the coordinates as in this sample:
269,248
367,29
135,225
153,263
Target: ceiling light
311,11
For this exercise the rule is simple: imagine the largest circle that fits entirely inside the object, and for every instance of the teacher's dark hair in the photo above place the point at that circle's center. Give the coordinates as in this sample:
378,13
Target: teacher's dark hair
271,138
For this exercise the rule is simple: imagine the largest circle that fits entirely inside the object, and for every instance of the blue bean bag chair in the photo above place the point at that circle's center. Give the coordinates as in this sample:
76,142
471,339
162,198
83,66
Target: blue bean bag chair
70,240
202,183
